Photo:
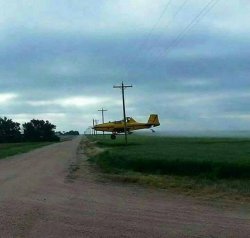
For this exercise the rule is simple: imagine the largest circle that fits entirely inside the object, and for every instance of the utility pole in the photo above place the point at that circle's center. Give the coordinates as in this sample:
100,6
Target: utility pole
102,110
96,122
93,127
124,108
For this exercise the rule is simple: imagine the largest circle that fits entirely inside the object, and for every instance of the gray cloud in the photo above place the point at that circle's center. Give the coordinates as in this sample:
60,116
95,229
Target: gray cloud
52,53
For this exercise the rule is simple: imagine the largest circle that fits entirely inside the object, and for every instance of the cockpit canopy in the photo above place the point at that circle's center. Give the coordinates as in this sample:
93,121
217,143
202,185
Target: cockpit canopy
129,119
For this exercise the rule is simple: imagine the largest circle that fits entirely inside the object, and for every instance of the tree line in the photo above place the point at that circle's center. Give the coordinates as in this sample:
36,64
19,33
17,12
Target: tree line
68,133
33,131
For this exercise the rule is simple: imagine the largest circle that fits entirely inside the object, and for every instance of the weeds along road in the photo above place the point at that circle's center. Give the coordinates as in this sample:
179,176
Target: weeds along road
38,200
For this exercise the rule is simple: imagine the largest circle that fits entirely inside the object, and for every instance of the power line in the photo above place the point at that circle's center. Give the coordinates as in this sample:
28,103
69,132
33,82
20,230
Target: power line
156,24
179,9
195,20
122,87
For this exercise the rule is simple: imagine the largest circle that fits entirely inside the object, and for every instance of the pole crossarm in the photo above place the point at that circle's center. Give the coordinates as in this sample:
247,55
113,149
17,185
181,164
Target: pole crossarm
122,87
102,110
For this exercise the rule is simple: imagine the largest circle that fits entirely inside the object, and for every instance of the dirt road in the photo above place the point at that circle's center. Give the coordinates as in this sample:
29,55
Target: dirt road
38,200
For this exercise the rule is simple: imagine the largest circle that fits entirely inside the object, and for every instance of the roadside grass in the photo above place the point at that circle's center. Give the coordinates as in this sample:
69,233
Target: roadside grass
213,164
10,149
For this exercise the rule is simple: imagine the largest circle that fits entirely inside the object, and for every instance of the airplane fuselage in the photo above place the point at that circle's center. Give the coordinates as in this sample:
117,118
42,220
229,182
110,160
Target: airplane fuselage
118,127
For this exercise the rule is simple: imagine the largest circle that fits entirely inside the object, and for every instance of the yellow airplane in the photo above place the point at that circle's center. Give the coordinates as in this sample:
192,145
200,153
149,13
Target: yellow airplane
117,127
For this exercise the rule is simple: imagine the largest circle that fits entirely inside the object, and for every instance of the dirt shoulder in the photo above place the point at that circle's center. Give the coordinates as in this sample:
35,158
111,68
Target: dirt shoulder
38,198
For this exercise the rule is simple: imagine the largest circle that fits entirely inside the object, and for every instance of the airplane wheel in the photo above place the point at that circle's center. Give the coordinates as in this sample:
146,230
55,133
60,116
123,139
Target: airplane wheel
113,137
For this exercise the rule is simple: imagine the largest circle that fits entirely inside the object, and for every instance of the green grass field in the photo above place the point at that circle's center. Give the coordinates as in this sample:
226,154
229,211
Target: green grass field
203,167
213,158
18,148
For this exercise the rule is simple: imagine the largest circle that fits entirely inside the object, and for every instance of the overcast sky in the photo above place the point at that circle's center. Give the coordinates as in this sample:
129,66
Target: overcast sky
189,63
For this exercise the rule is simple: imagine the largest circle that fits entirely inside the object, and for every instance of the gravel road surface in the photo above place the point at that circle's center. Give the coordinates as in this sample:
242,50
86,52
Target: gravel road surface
37,199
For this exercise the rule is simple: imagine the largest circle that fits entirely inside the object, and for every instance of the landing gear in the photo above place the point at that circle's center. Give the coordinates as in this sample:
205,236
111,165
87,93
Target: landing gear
113,136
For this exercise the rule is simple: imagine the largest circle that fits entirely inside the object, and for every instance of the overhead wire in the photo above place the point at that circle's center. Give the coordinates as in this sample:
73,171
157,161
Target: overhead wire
180,8
208,6
156,24
202,13
194,21
140,46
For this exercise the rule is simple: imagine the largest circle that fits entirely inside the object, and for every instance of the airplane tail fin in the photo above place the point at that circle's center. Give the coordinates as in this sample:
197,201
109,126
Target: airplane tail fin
154,120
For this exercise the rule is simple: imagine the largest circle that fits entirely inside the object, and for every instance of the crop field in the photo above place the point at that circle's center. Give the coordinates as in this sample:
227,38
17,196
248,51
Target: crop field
211,157
221,163
10,149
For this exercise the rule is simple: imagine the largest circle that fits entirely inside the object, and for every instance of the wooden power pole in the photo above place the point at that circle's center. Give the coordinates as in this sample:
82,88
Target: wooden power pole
122,87
102,110
93,126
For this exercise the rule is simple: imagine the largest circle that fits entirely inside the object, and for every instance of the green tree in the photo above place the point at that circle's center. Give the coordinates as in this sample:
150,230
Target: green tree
73,133
9,131
39,130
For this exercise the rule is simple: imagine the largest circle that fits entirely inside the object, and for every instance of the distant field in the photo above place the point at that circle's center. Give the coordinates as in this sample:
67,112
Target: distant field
18,148
206,157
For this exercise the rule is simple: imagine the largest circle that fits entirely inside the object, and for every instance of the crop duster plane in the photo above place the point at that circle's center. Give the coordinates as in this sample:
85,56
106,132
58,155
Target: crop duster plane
117,127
